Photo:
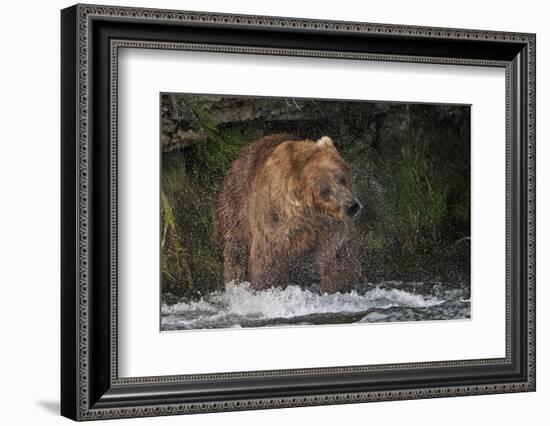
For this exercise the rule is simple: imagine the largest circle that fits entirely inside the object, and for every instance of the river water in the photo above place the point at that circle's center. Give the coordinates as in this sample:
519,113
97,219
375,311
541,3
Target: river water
238,306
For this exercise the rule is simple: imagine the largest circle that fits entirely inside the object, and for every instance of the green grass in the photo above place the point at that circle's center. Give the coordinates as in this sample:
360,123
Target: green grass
417,200
175,259
191,179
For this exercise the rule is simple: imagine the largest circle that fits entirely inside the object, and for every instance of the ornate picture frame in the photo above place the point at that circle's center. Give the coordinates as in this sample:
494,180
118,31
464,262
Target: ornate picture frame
91,37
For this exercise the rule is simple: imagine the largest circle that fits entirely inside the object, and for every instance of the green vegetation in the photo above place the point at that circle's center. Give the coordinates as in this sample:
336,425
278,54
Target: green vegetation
213,157
191,180
417,199
175,259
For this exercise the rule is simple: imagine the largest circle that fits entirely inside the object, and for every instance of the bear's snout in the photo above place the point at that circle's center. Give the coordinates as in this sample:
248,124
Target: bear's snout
353,208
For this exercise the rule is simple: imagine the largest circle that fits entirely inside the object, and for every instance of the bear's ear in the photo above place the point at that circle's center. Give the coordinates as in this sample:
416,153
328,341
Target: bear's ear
325,141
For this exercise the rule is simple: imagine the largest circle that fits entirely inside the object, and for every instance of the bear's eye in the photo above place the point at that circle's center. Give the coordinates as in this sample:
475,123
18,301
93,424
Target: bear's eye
324,191
343,180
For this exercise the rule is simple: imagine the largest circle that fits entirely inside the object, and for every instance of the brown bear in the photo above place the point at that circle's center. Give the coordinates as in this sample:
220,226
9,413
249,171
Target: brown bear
287,202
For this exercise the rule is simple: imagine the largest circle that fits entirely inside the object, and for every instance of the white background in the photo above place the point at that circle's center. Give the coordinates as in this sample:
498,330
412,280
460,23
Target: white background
29,229
141,346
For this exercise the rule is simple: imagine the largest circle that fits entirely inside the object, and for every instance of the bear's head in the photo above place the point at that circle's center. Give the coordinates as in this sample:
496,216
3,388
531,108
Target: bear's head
321,181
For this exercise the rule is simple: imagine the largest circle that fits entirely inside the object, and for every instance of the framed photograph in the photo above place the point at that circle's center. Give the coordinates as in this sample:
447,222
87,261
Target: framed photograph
263,212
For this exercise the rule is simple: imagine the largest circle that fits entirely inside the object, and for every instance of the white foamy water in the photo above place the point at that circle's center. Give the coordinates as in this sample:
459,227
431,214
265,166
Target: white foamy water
239,306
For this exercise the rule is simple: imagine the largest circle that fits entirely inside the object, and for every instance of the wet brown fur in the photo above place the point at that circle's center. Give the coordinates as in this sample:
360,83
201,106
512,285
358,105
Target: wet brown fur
271,213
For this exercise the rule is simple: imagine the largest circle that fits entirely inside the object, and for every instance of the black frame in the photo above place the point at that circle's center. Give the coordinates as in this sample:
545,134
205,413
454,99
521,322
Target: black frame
90,387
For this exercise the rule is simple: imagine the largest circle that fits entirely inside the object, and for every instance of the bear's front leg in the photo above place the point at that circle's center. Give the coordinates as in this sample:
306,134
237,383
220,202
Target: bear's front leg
268,265
340,270
235,261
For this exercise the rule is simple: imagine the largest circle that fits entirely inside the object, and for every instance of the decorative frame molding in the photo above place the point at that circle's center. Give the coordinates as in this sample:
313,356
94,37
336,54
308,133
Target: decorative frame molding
91,388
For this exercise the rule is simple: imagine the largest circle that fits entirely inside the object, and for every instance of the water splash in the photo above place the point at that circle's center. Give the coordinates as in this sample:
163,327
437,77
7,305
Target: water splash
241,306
